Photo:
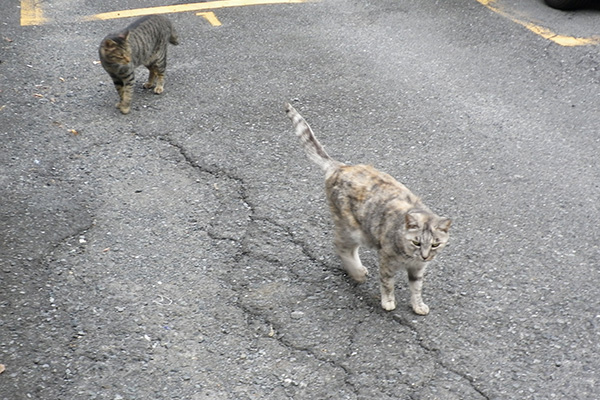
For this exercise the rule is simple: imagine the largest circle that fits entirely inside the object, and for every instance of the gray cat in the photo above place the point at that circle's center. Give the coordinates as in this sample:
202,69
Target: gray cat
370,208
142,42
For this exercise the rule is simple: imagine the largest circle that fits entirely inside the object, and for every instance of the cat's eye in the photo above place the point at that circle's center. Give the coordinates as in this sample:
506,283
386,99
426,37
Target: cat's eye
416,243
434,245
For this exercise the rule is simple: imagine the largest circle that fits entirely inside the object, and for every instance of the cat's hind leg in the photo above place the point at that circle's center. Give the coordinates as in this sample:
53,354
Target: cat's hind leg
160,82
157,75
347,250
151,78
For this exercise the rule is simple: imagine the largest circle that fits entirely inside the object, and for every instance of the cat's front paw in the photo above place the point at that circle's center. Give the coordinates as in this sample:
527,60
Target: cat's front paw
158,89
421,309
123,108
388,304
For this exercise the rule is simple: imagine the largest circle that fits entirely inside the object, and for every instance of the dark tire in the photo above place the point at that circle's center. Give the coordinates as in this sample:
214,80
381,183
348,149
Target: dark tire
563,4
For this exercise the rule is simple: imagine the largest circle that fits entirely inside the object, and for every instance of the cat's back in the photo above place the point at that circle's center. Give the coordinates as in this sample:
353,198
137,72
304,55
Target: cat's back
150,23
362,196
364,182
149,35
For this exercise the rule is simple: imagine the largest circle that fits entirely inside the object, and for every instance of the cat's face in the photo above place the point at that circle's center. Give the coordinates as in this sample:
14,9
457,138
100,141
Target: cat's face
116,50
425,235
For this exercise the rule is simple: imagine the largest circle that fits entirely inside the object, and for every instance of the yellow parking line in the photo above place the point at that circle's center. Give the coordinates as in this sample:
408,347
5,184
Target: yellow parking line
210,5
563,40
210,17
31,13
546,33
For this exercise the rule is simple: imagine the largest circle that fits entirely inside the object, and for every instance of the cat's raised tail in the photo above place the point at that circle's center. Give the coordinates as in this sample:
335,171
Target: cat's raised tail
314,150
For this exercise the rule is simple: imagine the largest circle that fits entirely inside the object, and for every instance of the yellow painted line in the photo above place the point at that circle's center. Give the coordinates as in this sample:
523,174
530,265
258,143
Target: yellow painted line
31,13
546,33
563,40
209,5
210,17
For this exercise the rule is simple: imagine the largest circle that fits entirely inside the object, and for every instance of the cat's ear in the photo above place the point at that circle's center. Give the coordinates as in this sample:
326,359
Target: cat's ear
124,35
444,224
109,44
411,222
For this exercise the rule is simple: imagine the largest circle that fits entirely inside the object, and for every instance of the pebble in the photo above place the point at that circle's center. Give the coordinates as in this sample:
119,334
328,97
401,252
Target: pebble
297,314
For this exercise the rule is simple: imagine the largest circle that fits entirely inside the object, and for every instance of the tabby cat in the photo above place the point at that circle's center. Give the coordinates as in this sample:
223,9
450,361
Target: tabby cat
370,208
142,42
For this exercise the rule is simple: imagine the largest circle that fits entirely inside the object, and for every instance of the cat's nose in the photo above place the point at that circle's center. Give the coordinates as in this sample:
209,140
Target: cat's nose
426,254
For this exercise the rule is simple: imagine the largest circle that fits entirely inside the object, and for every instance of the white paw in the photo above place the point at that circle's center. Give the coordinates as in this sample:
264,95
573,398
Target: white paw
360,276
421,309
389,304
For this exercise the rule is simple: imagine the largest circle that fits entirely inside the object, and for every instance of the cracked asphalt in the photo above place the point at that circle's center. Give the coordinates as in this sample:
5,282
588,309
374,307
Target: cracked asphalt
184,251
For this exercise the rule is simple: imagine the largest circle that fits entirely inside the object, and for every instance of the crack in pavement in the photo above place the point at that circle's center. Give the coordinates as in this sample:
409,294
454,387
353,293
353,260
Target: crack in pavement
216,172
294,347
435,354
245,252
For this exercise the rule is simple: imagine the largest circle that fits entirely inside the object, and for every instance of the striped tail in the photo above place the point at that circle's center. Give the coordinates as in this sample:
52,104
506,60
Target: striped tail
314,150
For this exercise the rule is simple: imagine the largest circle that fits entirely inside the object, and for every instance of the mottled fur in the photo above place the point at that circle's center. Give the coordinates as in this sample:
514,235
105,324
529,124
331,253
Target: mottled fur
144,42
370,208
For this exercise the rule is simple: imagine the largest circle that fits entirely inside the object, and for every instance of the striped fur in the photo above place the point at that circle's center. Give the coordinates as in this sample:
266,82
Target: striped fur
370,208
144,42
314,150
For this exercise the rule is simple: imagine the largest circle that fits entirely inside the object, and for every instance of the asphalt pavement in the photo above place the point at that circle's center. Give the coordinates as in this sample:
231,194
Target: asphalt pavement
184,251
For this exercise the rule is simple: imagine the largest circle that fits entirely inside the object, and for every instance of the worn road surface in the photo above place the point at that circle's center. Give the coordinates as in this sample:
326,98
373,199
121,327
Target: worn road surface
184,251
